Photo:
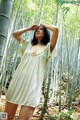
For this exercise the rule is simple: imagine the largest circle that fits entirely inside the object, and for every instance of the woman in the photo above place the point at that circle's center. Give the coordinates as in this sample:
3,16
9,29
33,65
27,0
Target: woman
25,86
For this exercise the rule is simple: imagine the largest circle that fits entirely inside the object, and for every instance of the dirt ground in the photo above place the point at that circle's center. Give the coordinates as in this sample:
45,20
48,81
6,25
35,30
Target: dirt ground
52,110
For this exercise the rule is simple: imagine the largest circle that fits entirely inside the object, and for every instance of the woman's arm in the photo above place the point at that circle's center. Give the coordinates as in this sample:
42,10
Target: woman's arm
17,34
54,37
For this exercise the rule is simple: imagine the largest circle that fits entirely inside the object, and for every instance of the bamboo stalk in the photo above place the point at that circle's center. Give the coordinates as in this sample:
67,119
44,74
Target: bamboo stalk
46,94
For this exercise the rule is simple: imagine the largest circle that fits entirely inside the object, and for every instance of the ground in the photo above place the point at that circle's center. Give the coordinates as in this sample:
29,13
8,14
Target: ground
52,110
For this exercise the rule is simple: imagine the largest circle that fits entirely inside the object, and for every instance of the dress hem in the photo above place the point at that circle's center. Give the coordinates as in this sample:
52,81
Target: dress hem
22,104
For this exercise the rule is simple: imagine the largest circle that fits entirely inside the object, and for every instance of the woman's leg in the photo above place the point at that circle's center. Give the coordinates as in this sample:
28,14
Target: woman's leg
10,109
26,113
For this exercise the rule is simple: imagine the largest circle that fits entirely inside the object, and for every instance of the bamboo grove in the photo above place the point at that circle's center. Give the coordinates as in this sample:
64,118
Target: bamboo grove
63,81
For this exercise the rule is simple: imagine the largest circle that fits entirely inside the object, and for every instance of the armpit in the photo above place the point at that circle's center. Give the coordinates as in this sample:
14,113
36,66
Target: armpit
51,51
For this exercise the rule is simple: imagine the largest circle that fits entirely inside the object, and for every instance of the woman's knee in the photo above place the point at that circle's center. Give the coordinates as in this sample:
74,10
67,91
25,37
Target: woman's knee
26,113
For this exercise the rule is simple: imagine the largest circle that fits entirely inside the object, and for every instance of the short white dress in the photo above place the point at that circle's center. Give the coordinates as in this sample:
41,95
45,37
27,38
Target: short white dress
25,86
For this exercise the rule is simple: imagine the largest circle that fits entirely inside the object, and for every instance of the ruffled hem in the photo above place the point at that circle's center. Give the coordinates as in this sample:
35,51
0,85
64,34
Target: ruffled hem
23,104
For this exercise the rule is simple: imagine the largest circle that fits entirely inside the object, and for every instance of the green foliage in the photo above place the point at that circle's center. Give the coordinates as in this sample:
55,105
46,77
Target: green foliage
62,116
65,9
46,12
30,12
54,117
69,1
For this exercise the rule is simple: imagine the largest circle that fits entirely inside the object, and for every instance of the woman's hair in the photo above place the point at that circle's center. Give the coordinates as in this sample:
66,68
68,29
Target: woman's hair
45,39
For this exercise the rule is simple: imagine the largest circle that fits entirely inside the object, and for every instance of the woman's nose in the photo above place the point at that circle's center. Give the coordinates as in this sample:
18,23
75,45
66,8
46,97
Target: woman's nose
38,30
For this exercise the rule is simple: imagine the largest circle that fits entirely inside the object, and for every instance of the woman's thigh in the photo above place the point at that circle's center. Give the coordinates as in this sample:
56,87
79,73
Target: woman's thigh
26,113
10,109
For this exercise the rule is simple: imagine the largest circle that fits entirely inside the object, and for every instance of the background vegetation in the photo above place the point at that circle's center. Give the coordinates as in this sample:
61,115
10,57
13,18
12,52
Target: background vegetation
63,84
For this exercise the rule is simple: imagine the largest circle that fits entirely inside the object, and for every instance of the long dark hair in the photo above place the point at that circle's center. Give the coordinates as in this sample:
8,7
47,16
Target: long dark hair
45,39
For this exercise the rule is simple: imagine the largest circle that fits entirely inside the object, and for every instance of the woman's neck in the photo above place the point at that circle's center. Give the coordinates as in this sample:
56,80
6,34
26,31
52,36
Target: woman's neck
39,41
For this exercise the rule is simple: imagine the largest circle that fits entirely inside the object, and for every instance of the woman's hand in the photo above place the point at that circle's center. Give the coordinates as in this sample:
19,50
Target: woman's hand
43,24
33,27
17,34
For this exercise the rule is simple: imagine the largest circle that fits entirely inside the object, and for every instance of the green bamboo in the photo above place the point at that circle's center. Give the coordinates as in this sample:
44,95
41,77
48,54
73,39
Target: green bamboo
46,93
74,82
60,72
5,9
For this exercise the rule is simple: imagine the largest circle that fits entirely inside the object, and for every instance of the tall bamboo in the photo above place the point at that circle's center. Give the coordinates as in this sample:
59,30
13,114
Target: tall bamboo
5,10
47,91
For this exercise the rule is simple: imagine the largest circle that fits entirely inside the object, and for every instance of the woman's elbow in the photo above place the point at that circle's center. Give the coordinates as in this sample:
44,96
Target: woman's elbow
13,33
57,29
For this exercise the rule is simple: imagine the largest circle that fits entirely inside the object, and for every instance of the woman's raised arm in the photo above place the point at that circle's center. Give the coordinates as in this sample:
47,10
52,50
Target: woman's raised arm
54,37
17,34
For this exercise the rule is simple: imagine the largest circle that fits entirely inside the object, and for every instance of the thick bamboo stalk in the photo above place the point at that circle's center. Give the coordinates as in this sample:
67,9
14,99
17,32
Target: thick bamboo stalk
5,9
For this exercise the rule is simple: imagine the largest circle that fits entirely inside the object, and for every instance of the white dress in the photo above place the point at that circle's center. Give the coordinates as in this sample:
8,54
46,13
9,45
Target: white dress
25,86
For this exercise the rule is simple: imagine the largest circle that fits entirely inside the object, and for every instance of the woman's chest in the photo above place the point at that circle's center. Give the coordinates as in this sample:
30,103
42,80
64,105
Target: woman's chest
42,55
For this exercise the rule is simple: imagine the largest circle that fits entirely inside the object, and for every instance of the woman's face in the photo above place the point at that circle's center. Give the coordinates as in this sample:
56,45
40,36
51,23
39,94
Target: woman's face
40,33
